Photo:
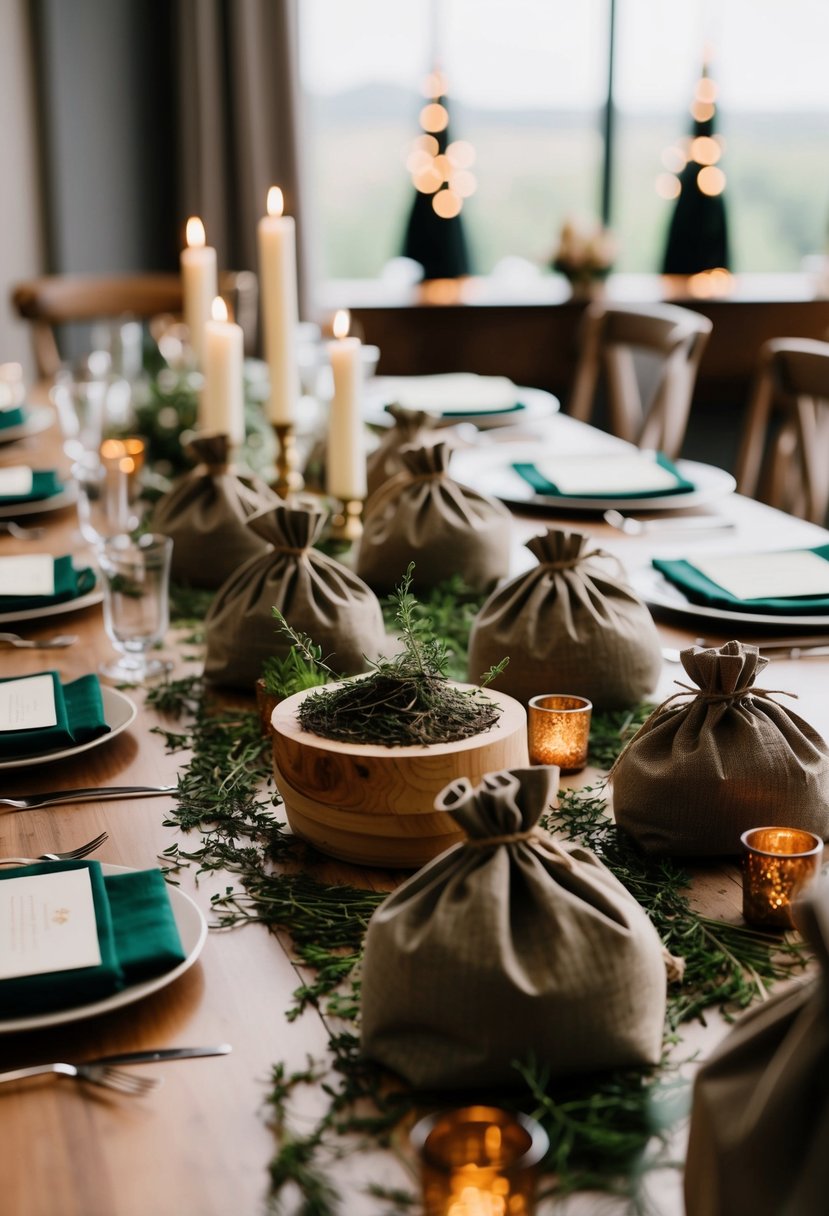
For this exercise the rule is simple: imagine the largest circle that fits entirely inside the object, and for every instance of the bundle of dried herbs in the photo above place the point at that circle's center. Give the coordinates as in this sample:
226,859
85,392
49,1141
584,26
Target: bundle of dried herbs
406,700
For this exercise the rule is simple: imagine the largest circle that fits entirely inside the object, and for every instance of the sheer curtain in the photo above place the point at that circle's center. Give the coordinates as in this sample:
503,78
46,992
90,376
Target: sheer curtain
240,123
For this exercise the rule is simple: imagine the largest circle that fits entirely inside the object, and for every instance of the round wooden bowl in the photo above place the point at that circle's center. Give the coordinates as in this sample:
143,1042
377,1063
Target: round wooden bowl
375,805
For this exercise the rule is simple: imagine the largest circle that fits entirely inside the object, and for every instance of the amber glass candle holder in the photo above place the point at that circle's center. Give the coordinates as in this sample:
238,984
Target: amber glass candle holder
479,1161
559,731
777,864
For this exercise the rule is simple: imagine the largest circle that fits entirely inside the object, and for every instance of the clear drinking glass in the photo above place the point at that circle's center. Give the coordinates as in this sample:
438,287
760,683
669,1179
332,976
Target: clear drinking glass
107,495
136,579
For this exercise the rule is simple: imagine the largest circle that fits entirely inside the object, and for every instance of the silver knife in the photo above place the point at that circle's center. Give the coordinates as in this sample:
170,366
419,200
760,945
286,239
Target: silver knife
26,802
163,1053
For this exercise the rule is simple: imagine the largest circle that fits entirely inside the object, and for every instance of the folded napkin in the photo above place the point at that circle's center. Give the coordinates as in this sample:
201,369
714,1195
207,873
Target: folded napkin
137,937
676,483
16,416
700,589
45,484
454,395
69,584
80,718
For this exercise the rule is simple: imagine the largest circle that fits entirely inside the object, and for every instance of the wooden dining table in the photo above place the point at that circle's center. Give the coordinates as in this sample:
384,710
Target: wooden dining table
200,1144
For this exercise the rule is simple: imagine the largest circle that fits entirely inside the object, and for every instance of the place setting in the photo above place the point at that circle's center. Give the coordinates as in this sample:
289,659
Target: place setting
38,586
458,397
25,491
19,419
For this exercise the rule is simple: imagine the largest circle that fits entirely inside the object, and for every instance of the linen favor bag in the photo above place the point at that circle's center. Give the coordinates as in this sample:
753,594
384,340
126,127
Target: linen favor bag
568,626
409,428
510,945
315,594
760,1118
423,516
699,774
205,514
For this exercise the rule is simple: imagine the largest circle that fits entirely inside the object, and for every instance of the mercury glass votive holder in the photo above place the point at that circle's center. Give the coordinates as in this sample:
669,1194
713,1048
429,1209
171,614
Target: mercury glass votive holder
778,863
479,1161
559,730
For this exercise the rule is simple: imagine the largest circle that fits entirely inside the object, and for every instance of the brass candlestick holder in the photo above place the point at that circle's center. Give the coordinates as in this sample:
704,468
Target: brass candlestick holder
347,522
289,480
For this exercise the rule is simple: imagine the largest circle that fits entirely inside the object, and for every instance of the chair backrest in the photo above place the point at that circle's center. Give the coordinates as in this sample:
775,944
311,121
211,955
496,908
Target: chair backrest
784,451
611,339
54,300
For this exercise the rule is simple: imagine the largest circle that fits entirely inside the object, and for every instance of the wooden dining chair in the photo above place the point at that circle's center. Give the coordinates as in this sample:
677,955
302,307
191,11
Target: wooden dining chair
784,450
55,300
619,342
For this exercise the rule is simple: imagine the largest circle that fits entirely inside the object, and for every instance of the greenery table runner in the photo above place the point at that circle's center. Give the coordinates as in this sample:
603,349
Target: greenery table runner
599,1127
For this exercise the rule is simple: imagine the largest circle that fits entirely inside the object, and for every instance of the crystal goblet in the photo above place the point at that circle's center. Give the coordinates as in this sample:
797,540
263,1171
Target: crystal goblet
136,580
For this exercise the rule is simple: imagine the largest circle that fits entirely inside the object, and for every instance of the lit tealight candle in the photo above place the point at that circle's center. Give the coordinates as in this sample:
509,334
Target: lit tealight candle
199,283
222,402
479,1161
280,310
777,864
346,458
559,731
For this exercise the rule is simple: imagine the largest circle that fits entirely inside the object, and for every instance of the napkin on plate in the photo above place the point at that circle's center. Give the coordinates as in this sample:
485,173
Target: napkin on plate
137,937
608,475
15,416
454,395
70,583
700,589
80,718
45,484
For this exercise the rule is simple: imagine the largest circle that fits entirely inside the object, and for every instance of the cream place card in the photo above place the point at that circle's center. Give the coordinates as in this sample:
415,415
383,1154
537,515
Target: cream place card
30,574
47,923
606,474
16,481
28,704
763,576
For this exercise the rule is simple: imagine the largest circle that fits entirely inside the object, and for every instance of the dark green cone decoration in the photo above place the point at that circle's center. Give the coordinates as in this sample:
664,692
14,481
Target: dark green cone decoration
440,171
698,235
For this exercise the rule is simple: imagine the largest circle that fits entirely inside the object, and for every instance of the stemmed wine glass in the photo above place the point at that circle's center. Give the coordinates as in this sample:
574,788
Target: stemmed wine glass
136,577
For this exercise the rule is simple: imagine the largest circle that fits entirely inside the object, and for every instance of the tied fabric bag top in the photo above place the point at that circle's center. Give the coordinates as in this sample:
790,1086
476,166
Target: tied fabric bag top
510,945
205,514
699,774
425,517
760,1116
384,462
314,593
567,626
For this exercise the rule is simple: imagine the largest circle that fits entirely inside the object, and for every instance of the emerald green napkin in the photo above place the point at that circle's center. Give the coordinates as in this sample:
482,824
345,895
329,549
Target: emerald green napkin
69,584
45,484
137,936
511,409
542,486
700,589
80,718
12,417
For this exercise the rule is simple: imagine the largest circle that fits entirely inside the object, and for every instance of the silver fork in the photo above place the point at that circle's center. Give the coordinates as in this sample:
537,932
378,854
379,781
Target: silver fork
679,523
96,1074
56,643
83,850
13,529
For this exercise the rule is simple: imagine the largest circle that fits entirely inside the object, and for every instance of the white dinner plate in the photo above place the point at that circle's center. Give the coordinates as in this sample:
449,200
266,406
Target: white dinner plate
658,592
38,418
119,713
192,929
56,502
36,614
537,404
490,471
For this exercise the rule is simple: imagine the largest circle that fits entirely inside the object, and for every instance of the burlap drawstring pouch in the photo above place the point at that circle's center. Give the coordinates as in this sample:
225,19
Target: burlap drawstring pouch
568,626
315,594
760,1117
205,513
719,757
421,515
510,945
409,428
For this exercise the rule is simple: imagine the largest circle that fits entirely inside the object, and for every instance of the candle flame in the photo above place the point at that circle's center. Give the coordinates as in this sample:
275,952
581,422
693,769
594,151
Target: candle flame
276,203
195,233
218,309
342,323
126,464
112,449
